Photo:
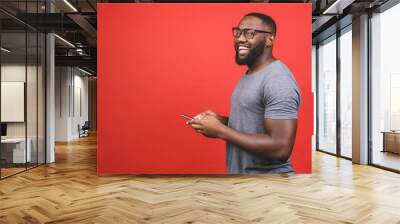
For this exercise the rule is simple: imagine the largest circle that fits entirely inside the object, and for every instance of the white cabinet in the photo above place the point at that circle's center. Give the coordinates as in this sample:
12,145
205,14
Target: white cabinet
16,147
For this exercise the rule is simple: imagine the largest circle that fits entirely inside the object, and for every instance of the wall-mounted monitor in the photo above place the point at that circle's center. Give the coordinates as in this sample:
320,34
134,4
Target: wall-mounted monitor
3,129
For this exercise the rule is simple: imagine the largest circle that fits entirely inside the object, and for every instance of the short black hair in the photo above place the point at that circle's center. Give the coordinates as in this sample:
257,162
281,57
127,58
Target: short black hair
267,20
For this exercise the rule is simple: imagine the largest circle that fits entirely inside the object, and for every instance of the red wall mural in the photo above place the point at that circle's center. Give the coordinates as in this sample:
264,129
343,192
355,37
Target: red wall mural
156,61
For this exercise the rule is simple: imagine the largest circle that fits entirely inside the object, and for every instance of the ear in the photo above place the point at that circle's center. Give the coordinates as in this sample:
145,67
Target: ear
269,41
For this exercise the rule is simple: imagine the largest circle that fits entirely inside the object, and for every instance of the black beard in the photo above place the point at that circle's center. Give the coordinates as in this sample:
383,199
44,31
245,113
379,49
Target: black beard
251,57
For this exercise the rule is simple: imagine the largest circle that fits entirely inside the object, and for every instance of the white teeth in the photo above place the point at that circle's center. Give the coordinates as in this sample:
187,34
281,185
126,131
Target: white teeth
242,48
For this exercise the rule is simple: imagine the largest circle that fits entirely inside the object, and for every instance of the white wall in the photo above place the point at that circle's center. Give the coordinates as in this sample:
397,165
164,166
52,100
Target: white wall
61,103
12,73
71,94
81,102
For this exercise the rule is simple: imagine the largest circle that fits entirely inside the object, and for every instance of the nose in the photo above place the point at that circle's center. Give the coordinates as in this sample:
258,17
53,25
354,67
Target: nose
241,38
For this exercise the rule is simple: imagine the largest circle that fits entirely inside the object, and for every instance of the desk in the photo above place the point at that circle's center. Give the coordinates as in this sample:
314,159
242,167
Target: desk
391,141
13,150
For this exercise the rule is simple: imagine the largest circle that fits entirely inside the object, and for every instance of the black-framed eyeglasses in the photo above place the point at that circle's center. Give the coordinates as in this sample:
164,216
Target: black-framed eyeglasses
248,33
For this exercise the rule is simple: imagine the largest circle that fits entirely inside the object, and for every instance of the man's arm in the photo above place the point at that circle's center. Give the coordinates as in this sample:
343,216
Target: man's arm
276,143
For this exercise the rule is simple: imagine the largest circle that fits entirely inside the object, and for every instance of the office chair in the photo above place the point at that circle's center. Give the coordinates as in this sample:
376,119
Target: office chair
84,130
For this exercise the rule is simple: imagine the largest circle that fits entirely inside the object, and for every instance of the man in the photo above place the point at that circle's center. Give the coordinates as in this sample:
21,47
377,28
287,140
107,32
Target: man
260,131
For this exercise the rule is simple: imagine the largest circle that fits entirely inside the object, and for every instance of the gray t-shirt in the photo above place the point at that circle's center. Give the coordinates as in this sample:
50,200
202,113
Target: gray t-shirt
272,92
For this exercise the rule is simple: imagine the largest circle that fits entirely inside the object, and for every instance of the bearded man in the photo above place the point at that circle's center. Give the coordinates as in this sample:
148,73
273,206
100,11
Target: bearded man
261,128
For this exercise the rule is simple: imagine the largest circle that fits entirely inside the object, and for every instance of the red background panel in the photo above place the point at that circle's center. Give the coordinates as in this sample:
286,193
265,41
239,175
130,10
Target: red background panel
156,61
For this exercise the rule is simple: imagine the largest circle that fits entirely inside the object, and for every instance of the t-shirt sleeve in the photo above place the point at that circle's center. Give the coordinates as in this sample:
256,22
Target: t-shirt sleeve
281,99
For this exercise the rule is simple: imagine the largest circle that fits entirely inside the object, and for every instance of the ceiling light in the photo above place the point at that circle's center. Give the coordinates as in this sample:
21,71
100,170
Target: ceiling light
70,5
5,50
65,41
84,71
337,7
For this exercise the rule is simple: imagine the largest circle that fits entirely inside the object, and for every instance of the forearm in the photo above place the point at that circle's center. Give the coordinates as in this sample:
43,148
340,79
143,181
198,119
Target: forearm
261,145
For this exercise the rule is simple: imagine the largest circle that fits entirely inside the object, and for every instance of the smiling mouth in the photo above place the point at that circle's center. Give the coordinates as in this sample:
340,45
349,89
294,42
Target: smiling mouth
242,49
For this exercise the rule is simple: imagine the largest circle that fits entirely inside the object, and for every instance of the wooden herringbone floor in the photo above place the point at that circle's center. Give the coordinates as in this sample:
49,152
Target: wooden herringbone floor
69,191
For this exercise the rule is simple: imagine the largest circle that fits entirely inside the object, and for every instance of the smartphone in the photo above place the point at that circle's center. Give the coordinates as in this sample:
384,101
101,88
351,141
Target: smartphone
186,116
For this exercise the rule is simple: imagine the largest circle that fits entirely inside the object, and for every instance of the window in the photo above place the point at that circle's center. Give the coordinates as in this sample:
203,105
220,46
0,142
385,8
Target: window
346,75
327,95
385,88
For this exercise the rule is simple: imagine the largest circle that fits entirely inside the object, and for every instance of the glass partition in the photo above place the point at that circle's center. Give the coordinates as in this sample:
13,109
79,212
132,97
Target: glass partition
14,153
22,88
41,87
32,95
